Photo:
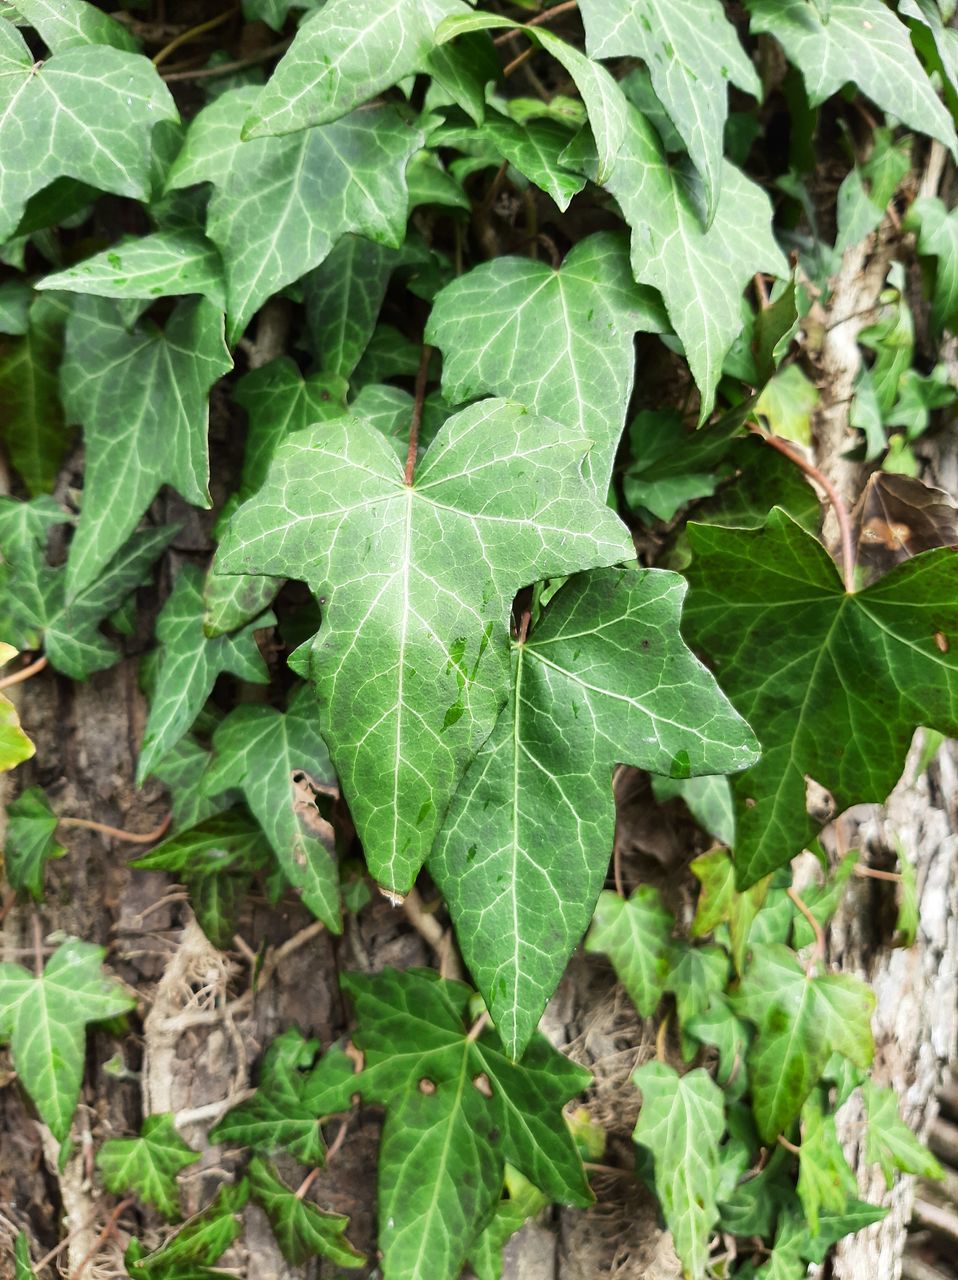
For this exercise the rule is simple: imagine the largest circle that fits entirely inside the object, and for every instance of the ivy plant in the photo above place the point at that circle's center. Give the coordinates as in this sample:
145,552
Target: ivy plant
448,381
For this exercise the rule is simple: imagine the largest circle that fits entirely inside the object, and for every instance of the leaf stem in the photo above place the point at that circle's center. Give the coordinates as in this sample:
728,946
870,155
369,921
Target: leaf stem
819,949
873,873
307,1182
17,677
422,374
546,16
37,945
789,1146
834,497
475,1031
131,837
102,1238
186,36
225,68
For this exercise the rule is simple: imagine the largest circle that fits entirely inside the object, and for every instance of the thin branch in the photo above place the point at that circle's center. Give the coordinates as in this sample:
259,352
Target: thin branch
546,16
819,949
37,945
307,1182
514,65
337,1143
789,1146
476,1030
18,677
834,497
130,837
873,873
186,36
422,375
102,1238
225,68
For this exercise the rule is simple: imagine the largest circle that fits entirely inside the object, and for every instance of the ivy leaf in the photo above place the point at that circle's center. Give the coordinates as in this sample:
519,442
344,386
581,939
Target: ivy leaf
141,396
302,1230
278,1117
279,762
800,1020
521,1202
697,975
889,1142
719,902
525,846
200,1242
343,297
498,501
681,1123
148,1164
275,12
865,44
22,1262
30,843
16,297
44,1018
183,770
692,52
189,664
281,204
31,419
346,55
216,860
560,341
167,263
69,630
719,1026
71,24
93,107
937,231
825,1180
15,746
535,148
636,934
456,1110
700,273
771,601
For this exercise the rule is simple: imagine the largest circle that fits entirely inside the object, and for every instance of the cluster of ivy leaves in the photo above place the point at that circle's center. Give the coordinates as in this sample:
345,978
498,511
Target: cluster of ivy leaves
458,220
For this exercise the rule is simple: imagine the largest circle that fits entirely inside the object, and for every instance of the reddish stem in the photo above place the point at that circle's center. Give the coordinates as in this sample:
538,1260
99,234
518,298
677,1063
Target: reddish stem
18,677
422,374
131,837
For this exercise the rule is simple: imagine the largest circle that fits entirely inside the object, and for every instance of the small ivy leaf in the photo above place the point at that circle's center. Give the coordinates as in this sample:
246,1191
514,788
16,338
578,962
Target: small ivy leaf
937,232
864,43
719,902
700,274
752,616
534,148
787,403
681,1123
189,664
693,53
708,799
72,24
889,1142
30,843
15,746
823,901
456,1110
719,1026
301,1228
216,860
281,204
799,1020
141,395
279,763
673,465
343,297
199,1243
37,610
183,770
498,501
343,57
278,1117
148,1164
533,820
696,975
31,417
825,1181
22,1262
636,934
167,263
560,341
44,1019
521,1202
275,12
94,107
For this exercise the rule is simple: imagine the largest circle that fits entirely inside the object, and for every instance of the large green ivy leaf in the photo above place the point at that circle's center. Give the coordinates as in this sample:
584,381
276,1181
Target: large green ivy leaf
692,52
636,934
560,341
604,678
278,761
343,57
167,263
700,273
29,843
190,662
302,1230
86,113
456,1110
794,652
281,204
148,1164
70,24
15,746
889,1142
216,860
681,1123
277,1117
31,418
37,611
429,572
800,1021
861,43
140,394
44,1018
